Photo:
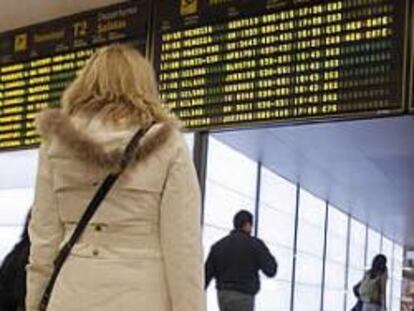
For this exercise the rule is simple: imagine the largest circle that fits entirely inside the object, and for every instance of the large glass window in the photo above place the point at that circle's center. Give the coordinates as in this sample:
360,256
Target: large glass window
356,261
396,277
14,206
335,265
18,172
230,186
228,192
18,169
309,257
277,229
373,247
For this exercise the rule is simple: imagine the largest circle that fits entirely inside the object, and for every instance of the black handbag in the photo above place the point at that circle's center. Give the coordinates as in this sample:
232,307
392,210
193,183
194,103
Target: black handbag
105,187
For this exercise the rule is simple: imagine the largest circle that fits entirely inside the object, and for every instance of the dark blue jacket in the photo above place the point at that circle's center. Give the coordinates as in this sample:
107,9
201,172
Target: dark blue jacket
235,262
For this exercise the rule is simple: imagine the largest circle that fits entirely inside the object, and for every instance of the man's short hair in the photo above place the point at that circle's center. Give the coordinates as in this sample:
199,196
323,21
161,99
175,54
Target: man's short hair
241,218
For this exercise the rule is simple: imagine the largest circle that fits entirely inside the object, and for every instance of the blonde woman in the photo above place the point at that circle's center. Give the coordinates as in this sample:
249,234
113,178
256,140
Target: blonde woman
141,250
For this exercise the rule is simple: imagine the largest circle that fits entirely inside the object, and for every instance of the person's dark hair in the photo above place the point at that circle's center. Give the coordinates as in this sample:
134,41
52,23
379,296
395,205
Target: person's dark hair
241,218
379,265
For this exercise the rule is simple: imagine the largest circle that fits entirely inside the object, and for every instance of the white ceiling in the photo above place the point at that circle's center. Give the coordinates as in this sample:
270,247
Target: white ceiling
19,13
365,168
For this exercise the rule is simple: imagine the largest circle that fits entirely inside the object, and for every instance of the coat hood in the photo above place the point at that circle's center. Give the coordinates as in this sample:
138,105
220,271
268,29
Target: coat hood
94,148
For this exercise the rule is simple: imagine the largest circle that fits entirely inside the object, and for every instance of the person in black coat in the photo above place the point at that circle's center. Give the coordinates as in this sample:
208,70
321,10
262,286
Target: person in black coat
13,274
235,262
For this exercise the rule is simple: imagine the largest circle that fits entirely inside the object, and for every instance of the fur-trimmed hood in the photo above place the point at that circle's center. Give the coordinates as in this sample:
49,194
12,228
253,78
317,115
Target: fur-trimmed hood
55,124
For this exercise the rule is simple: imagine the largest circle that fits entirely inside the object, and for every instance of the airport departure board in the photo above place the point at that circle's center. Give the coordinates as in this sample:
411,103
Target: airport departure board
37,62
226,63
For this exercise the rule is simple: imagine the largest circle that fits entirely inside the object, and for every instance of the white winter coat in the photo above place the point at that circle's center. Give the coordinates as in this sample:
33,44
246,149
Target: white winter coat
142,249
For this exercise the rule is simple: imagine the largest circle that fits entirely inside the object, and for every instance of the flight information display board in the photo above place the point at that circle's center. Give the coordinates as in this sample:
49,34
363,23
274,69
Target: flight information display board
224,63
37,62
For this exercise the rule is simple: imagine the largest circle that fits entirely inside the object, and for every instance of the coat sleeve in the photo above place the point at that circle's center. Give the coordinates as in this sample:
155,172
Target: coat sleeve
267,262
46,234
181,234
210,268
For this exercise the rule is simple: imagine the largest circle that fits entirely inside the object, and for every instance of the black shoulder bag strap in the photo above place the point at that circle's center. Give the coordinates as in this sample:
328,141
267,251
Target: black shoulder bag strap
91,209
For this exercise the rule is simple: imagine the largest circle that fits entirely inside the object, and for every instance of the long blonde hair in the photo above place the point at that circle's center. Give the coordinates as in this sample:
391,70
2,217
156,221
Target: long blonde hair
118,83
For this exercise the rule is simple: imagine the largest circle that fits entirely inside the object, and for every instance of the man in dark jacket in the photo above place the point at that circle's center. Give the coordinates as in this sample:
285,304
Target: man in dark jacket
235,262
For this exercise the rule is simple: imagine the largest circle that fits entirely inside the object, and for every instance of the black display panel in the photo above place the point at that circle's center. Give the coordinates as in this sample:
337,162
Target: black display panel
37,62
226,63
